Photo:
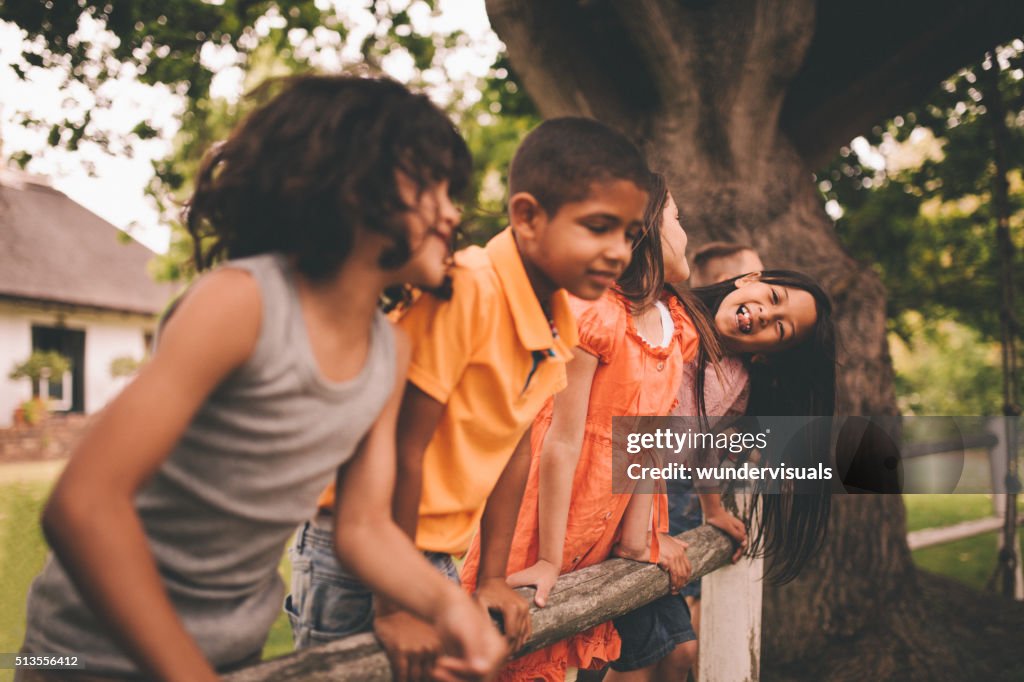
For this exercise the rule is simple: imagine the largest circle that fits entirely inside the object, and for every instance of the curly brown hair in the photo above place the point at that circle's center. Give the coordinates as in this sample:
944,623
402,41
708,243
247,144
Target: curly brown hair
316,163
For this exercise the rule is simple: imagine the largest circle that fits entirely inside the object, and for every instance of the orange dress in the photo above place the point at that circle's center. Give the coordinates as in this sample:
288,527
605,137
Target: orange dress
632,378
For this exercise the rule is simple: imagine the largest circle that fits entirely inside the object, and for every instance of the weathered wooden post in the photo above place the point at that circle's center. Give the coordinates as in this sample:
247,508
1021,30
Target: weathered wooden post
730,613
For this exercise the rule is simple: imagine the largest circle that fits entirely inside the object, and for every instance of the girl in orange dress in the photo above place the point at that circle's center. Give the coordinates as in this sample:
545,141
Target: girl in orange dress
634,342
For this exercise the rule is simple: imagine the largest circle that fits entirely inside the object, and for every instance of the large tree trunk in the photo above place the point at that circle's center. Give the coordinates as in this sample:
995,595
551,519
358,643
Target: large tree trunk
703,86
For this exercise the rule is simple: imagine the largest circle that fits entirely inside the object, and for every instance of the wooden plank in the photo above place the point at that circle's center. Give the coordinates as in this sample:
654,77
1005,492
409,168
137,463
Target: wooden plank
967,529
578,601
968,442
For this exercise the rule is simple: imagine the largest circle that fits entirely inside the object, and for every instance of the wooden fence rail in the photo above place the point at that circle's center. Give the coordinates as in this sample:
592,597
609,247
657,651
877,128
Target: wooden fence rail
578,601
968,442
596,594
994,441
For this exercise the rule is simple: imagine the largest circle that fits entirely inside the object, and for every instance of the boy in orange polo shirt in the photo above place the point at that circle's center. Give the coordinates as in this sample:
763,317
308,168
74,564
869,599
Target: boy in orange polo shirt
484,362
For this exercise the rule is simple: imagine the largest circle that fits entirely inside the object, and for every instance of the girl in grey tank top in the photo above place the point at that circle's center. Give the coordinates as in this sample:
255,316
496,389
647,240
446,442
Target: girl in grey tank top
271,373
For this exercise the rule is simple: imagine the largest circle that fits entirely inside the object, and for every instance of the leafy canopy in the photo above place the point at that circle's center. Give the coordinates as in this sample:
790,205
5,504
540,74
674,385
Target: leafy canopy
924,218
184,45
916,196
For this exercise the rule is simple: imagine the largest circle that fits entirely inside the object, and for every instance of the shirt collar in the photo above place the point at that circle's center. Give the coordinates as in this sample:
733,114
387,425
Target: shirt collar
532,325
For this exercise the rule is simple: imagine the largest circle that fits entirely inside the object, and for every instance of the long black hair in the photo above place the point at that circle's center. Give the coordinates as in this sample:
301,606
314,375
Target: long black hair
788,528
316,162
643,281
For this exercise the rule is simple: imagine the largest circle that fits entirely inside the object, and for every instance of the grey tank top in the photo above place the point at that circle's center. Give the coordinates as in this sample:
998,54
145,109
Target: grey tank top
247,471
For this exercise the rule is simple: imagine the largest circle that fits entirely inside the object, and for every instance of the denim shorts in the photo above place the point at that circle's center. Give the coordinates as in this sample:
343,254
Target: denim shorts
652,631
326,601
684,514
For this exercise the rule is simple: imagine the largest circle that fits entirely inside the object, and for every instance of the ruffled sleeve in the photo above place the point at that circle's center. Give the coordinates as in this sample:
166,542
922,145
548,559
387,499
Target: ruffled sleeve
446,333
726,392
728,396
685,332
600,324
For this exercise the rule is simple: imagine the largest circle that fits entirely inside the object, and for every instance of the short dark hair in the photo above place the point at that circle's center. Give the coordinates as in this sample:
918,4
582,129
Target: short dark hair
560,159
717,250
315,163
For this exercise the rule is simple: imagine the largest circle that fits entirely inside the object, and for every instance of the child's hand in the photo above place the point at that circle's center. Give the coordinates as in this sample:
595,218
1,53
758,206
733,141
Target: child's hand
474,646
411,644
542,574
726,522
495,594
672,558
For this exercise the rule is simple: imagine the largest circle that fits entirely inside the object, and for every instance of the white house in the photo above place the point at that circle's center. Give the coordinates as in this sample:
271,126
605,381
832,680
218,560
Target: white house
71,282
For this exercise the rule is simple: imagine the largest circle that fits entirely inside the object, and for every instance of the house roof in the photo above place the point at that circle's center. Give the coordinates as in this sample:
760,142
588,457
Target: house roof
53,249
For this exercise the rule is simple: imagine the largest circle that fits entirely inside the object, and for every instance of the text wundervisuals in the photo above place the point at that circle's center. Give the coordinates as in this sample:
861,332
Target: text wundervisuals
680,472
667,439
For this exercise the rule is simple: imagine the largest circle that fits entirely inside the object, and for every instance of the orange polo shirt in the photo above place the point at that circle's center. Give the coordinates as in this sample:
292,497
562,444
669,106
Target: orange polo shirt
490,356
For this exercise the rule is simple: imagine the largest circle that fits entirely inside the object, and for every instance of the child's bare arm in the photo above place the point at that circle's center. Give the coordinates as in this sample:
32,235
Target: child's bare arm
559,455
370,543
718,516
90,520
497,527
417,420
635,538
412,644
445,335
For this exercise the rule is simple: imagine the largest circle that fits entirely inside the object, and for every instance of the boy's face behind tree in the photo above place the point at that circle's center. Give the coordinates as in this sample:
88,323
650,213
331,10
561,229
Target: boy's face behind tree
719,269
586,244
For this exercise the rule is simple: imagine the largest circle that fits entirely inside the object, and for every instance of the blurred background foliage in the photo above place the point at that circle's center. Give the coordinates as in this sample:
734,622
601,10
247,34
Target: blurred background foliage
913,201
265,39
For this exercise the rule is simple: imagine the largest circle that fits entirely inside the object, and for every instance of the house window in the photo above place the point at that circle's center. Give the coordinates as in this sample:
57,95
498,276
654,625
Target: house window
66,392
58,390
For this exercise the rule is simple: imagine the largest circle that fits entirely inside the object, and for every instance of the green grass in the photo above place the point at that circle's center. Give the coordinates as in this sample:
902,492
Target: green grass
934,511
971,560
280,642
23,551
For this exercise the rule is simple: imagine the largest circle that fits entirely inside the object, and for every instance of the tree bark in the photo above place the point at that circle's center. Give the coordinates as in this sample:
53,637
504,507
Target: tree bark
702,85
